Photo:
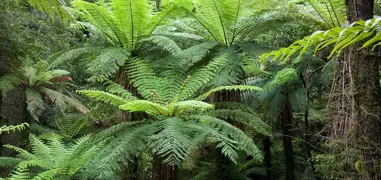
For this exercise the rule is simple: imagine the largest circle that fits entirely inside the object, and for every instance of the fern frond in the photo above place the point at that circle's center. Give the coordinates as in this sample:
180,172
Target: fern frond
145,106
201,77
35,103
250,120
164,43
189,56
143,77
104,97
122,22
22,153
182,107
244,143
120,149
70,125
282,77
107,63
67,56
229,88
339,38
20,174
9,82
47,175
171,142
13,128
61,100
39,148
101,18
9,162
53,8
117,89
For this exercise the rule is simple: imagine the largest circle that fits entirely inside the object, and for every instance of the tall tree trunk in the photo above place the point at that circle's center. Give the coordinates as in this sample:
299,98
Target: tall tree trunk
286,123
164,171
356,96
307,129
358,110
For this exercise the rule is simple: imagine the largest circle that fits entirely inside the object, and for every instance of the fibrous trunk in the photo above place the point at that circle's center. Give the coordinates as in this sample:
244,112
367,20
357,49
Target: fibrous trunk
267,157
355,97
286,123
163,171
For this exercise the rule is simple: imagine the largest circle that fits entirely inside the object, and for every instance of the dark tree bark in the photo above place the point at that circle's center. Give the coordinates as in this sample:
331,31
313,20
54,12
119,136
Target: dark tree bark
366,85
307,129
228,96
267,158
158,4
286,123
13,112
164,171
357,96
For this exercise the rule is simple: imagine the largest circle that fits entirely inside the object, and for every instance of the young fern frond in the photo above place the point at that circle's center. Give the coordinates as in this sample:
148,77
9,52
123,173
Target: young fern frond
145,106
13,128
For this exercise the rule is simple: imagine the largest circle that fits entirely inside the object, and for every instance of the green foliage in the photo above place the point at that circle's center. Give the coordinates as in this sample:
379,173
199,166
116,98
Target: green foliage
127,23
54,8
52,159
13,128
337,37
176,124
39,82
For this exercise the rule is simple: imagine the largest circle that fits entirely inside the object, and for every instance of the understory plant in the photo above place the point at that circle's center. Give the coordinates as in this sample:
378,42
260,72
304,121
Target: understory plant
177,122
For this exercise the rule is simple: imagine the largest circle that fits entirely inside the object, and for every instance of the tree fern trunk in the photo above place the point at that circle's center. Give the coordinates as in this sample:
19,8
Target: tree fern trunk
124,116
158,4
286,123
356,97
228,96
163,171
267,160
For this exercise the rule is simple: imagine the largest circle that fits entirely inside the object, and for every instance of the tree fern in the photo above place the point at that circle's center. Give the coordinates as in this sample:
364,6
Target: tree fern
127,23
53,159
176,125
39,81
